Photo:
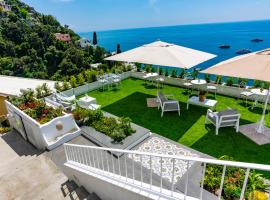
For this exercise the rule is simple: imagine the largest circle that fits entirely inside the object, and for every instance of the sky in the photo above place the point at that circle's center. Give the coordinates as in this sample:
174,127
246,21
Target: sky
95,15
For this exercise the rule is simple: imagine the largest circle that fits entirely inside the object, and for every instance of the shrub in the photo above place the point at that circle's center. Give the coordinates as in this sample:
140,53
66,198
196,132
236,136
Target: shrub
160,71
207,78
117,129
65,86
218,79
4,130
195,74
46,90
80,79
182,73
229,81
174,73
166,72
104,67
73,81
58,87
242,82
139,67
148,68
90,75
233,180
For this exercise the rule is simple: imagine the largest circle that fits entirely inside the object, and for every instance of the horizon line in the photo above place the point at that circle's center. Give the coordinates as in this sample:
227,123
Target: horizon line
203,23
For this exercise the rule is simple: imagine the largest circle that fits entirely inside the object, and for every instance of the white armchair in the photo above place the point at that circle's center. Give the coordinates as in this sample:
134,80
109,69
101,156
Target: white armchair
224,118
167,105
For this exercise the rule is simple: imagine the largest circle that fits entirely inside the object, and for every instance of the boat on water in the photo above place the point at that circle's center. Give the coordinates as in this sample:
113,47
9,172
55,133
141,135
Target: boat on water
224,46
243,51
256,40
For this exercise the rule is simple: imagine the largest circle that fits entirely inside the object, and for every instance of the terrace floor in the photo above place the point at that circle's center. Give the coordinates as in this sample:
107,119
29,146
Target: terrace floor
189,129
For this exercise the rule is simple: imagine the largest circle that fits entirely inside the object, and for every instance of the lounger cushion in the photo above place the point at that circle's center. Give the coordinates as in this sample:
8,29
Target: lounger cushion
171,106
214,116
162,97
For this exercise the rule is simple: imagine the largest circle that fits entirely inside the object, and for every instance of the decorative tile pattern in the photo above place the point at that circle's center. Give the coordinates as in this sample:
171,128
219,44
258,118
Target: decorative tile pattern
161,146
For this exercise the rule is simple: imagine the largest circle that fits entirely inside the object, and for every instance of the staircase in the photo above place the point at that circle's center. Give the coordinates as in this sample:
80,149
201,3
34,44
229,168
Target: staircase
72,191
35,176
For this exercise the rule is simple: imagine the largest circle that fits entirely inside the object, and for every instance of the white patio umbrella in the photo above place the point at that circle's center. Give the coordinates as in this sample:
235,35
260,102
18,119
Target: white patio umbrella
254,66
163,54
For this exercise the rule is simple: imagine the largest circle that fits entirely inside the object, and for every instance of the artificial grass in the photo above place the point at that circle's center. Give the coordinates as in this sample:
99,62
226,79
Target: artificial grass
188,129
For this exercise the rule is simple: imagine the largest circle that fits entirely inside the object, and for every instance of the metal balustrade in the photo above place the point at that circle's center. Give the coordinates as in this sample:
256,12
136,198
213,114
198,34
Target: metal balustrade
134,172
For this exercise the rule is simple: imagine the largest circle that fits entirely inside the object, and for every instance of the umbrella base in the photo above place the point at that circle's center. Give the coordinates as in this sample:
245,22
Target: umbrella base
250,131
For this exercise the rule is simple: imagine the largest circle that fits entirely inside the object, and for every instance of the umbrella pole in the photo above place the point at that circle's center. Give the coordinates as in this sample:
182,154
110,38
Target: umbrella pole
261,123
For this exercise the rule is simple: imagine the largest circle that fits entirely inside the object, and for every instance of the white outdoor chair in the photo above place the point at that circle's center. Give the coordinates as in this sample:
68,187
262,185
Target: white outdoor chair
211,88
167,105
226,118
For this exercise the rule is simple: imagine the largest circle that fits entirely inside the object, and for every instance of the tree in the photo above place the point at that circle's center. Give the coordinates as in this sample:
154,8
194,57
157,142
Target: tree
118,49
98,54
95,38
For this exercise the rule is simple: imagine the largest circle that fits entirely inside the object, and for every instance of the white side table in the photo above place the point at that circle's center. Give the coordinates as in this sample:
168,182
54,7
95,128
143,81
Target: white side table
87,101
209,103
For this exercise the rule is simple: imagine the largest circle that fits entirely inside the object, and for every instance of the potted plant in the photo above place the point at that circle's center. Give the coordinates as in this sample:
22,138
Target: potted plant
79,115
202,95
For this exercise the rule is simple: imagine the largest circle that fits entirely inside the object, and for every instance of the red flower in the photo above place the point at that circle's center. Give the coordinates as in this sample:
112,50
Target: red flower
45,111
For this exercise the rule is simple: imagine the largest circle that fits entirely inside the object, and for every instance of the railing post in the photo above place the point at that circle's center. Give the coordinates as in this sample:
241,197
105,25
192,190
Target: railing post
202,183
222,182
186,184
151,173
66,153
173,168
161,166
244,184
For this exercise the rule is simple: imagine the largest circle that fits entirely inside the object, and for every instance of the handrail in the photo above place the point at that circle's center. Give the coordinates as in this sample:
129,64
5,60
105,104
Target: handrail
185,158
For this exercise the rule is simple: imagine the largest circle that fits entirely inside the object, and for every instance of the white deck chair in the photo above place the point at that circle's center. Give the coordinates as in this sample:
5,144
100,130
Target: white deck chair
167,105
224,118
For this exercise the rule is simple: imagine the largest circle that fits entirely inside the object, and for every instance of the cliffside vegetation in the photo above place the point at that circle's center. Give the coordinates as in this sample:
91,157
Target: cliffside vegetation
28,47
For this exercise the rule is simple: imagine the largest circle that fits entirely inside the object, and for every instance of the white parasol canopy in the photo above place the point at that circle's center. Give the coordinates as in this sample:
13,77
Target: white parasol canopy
254,66
163,54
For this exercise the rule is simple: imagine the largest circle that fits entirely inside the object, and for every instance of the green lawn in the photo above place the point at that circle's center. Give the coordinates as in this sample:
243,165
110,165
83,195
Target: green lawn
189,129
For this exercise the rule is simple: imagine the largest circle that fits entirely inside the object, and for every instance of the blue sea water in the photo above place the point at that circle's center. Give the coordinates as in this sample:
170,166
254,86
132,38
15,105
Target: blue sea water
204,37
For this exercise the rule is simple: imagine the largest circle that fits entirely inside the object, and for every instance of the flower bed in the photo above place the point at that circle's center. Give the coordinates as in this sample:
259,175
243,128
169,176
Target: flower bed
42,125
36,109
233,182
116,128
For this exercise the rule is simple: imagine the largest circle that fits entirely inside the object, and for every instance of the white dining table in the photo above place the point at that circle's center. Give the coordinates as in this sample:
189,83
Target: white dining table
259,94
198,82
150,77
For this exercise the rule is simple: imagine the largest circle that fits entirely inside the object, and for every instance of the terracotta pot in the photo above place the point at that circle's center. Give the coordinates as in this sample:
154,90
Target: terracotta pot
202,97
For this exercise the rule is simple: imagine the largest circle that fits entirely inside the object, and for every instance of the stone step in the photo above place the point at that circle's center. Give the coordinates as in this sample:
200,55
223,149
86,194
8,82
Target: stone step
93,196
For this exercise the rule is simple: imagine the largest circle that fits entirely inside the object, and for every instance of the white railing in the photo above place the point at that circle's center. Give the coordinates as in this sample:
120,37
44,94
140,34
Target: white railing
131,166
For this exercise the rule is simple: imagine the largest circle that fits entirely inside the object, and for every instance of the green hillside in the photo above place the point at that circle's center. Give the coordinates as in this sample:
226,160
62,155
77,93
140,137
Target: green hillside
28,47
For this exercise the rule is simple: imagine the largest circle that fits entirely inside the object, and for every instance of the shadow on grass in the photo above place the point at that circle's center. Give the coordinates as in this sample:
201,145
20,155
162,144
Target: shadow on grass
170,125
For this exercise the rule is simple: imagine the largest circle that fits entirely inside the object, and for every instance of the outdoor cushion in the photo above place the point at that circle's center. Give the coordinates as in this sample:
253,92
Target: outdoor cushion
171,106
213,116
228,112
162,97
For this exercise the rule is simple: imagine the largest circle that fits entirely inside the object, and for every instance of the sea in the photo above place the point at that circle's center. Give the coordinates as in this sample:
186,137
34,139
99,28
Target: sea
204,37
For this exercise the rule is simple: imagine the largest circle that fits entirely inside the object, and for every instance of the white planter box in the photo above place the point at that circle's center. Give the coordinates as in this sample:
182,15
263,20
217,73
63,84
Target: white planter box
43,136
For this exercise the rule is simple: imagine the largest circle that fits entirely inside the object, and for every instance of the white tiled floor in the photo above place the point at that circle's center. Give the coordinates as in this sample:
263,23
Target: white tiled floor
160,146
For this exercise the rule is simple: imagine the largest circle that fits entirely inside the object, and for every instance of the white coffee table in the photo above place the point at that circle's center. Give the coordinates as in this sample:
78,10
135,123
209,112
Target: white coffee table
209,103
86,101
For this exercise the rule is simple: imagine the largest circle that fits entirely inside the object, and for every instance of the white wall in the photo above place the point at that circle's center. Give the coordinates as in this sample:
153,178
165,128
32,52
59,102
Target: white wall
112,189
